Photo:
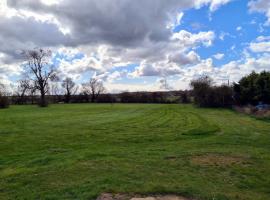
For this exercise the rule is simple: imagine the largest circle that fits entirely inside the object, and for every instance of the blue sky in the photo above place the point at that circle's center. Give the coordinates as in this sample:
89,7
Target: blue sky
225,21
138,44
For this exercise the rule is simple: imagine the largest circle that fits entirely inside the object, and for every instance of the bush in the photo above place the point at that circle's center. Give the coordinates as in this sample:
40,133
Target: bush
201,90
4,101
253,89
43,103
184,97
222,96
207,95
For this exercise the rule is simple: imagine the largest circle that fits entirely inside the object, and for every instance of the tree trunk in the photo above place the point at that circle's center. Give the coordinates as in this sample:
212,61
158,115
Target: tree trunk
68,95
93,98
43,102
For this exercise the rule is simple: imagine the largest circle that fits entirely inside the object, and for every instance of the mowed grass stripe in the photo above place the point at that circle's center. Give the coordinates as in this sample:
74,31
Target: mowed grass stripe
78,151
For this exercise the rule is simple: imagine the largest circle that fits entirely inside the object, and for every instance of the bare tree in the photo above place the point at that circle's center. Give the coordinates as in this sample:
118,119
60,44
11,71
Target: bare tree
93,88
56,92
164,84
70,88
40,71
24,86
4,100
33,91
3,89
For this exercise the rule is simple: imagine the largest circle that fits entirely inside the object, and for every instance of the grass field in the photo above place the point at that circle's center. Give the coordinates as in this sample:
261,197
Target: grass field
79,151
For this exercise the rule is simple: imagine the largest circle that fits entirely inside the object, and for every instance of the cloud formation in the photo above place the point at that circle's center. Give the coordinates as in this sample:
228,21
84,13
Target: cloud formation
107,36
261,6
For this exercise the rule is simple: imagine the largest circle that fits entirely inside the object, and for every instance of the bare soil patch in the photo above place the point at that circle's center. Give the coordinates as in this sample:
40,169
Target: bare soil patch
109,196
219,160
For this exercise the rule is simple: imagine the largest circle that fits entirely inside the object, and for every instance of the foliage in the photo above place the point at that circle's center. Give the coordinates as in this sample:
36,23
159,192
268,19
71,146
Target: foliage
144,97
207,95
4,100
253,88
185,96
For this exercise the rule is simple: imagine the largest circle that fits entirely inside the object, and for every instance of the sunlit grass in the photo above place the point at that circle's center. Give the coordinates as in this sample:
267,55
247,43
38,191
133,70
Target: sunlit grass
81,150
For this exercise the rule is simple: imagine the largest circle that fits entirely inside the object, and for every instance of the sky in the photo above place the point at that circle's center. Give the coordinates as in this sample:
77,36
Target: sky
136,45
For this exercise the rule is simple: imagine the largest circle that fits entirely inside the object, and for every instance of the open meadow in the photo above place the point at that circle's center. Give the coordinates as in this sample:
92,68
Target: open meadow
79,151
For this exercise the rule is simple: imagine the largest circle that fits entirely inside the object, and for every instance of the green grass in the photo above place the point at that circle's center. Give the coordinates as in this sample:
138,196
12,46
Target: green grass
79,151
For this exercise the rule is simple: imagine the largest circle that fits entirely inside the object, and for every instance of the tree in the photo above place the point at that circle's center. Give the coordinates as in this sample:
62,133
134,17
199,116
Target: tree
93,88
70,88
263,87
33,91
4,101
201,90
24,86
208,95
55,92
40,71
253,88
222,96
184,97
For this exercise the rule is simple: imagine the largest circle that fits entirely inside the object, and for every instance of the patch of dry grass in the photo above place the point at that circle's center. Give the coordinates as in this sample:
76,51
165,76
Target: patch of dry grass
219,160
109,196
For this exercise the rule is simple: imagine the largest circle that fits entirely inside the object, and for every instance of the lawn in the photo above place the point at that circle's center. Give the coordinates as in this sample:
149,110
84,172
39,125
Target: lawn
78,151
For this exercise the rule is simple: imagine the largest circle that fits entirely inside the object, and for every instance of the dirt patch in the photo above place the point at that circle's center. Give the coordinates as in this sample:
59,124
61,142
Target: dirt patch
252,110
109,196
165,197
171,158
218,160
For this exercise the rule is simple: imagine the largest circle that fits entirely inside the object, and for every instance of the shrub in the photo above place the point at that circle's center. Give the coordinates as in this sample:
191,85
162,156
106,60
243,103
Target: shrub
4,101
184,97
43,103
207,95
202,90
253,89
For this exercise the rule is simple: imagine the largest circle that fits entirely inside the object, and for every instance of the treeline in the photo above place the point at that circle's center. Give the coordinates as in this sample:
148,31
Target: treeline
251,89
125,97
206,94
42,85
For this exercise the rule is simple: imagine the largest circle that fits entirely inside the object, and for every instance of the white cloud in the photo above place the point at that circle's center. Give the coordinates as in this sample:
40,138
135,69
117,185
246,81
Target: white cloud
219,56
79,66
237,69
239,28
232,71
261,6
51,2
156,69
184,59
132,32
260,47
189,39
263,38
171,56
222,35
214,4
111,77
175,21
262,44
121,87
